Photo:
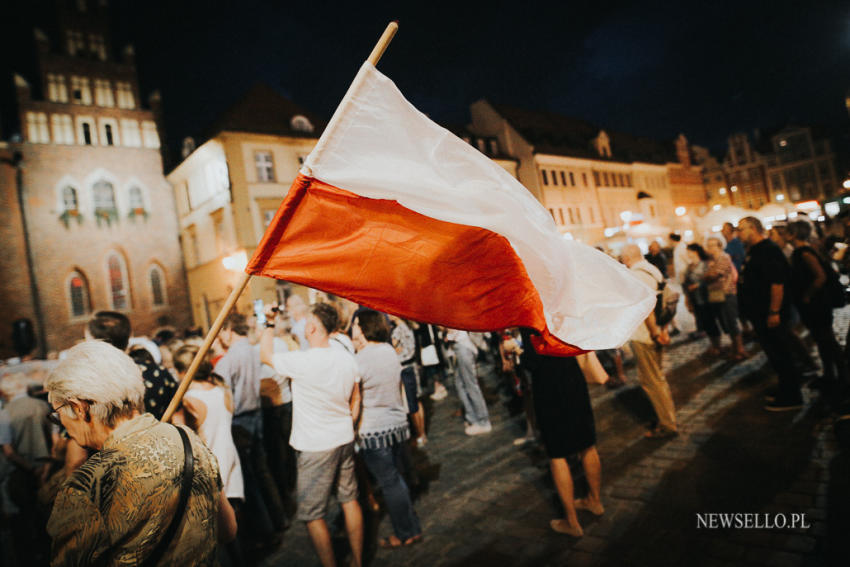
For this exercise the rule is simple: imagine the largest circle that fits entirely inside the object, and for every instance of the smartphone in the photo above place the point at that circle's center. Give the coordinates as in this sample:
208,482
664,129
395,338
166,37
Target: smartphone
840,245
259,312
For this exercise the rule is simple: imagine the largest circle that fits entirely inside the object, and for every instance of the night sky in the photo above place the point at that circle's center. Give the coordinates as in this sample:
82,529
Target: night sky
706,69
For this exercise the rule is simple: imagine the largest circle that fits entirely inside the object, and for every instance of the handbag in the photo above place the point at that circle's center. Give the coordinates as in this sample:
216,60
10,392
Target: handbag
185,489
429,356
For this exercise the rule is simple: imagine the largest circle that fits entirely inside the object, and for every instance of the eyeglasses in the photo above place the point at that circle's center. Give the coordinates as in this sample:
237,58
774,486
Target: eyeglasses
53,416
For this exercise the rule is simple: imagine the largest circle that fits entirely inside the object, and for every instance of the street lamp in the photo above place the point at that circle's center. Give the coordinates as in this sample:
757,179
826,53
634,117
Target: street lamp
780,197
680,211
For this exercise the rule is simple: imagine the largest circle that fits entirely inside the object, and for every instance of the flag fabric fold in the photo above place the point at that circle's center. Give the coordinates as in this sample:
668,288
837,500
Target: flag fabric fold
394,212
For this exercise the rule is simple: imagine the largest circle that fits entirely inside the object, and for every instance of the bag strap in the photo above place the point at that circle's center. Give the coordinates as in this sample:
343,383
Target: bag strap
658,283
185,488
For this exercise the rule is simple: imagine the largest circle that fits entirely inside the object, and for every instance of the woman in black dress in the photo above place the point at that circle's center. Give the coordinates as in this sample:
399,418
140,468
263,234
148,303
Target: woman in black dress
565,420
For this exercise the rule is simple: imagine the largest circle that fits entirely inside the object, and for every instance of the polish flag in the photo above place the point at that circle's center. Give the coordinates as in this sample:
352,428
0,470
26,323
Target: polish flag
396,213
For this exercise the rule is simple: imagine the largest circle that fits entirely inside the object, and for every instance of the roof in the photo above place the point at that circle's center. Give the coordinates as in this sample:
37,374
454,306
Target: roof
262,110
552,133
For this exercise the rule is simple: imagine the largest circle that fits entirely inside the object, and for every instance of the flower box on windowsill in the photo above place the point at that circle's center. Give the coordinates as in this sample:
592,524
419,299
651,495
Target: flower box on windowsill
138,212
107,215
68,214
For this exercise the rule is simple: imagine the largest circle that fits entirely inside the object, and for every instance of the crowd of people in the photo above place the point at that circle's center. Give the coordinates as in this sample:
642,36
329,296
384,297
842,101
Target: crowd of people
306,406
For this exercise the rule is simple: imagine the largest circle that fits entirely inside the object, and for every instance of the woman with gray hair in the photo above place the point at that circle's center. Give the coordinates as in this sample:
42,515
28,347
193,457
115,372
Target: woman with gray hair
721,279
151,493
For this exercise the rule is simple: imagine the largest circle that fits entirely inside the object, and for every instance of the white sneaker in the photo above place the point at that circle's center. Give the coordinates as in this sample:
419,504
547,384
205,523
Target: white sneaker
476,429
439,394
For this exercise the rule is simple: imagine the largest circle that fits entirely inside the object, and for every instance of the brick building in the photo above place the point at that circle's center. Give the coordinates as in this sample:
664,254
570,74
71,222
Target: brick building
98,216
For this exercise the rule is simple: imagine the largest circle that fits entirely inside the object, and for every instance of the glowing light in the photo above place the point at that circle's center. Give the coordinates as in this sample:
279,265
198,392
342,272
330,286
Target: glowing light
770,219
626,216
846,183
832,208
813,216
609,232
680,211
781,217
716,228
716,207
734,188
768,226
780,197
783,143
236,262
846,200
721,191
808,205
792,215
568,236
689,234
821,218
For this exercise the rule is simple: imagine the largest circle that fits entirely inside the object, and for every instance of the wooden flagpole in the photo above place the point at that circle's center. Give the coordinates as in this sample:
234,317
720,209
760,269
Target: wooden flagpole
374,57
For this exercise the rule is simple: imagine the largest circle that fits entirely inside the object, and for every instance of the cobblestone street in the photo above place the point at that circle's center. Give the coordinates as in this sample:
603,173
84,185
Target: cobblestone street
484,501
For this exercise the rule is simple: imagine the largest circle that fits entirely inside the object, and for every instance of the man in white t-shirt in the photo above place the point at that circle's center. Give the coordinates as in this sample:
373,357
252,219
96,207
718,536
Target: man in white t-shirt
325,405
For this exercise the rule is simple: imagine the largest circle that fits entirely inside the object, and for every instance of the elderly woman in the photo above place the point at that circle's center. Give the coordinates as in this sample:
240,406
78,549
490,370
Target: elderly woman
721,282
122,506
383,428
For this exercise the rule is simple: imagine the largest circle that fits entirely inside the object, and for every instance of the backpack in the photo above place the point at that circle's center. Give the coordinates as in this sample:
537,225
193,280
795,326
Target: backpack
666,302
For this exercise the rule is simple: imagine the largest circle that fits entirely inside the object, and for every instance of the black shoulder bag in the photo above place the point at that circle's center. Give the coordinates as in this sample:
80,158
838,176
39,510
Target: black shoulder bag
185,488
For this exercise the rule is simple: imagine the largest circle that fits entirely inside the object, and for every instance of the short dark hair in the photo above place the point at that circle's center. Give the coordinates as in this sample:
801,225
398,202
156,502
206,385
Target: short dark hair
238,323
800,230
694,247
111,327
327,314
675,237
374,326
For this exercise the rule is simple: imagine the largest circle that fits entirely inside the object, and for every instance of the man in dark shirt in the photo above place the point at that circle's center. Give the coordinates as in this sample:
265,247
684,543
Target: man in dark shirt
734,246
764,302
114,328
657,258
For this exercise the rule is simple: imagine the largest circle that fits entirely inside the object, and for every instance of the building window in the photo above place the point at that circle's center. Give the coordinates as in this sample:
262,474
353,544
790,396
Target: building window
80,90
104,202
103,93
125,95
137,201
63,129
87,139
110,141
578,215
613,179
572,219
157,283
57,90
97,46
219,231
130,133
554,177
596,178
561,214
37,131
265,166
301,124
76,42
629,179
552,212
78,295
119,294
584,178
605,179
150,137
545,179
69,199
572,179
494,147
563,179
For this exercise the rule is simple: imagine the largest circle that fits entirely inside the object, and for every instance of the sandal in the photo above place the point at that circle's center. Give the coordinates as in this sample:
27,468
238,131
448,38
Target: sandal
660,433
393,542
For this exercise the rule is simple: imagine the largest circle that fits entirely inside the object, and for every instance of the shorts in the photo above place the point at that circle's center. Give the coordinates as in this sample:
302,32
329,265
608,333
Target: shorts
318,473
408,378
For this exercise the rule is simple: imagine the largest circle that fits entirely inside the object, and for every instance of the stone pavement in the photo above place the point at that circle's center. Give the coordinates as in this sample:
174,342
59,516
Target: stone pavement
483,501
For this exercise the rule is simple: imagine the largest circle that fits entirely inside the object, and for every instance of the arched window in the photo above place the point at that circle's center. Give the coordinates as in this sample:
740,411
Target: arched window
119,292
104,196
157,282
69,199
137,202
78,295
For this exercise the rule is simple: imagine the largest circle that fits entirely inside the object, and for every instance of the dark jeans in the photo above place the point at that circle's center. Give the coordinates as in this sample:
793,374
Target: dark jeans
386,465
277,427
263,509
818,320
778,345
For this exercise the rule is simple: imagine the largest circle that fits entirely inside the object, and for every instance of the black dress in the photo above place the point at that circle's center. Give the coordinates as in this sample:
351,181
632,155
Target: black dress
561,402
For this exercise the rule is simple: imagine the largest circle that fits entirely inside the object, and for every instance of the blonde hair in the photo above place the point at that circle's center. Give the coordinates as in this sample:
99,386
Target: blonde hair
98,373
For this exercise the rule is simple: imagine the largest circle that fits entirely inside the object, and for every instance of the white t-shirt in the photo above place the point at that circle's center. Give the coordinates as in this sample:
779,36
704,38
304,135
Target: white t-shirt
322,382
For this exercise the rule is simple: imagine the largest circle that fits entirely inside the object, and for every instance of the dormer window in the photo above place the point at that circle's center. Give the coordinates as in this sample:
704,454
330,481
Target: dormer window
300,123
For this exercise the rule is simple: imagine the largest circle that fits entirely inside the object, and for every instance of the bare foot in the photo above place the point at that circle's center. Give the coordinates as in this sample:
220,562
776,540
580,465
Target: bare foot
563,527
594,508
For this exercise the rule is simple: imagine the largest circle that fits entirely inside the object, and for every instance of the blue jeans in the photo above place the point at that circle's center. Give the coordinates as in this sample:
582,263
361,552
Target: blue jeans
385,466
466,382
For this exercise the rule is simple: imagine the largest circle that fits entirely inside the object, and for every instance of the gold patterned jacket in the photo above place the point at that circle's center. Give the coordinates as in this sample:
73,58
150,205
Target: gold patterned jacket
114,508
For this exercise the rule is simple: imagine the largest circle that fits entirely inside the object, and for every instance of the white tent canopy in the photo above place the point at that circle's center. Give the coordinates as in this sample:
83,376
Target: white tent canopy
713,220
